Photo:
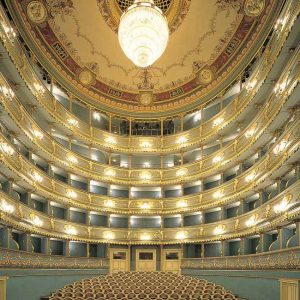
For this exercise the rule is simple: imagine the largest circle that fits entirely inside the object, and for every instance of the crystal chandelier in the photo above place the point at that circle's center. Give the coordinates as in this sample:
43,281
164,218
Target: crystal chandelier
143,33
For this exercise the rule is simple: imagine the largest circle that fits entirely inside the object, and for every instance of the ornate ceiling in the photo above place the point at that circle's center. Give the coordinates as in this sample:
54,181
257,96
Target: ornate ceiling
211,42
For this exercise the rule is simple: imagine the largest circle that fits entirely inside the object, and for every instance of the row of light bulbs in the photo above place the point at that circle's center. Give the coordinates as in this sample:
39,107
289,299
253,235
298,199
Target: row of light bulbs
219,230
146,144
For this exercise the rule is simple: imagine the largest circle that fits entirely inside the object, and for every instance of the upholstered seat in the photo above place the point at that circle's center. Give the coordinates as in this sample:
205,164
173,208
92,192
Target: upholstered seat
142,286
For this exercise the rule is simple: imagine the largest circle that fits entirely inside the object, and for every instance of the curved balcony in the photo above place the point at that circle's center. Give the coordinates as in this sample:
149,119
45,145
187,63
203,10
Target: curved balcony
48,187
273,260
23,259
259,220
185,173
162,144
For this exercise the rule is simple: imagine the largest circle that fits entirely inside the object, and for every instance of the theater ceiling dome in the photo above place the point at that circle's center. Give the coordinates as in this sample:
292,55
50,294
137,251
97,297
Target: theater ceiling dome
210,43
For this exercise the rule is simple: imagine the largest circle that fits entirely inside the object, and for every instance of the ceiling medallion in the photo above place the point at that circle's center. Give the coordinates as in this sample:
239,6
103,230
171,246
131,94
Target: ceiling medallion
146,98
143,33
174,10
86,77
36,12
205,76
254,8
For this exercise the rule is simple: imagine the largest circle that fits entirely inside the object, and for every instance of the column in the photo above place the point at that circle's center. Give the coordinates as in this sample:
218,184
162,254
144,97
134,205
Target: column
4,237
71,102
25,243
224,248
110,123
87,250
45,245
202,254
66,248
181,122
3,280
90,115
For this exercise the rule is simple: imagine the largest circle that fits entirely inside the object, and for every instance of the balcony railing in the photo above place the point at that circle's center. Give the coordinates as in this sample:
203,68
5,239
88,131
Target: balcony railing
267,218
279,153
22,259
192,171
160,144
287,259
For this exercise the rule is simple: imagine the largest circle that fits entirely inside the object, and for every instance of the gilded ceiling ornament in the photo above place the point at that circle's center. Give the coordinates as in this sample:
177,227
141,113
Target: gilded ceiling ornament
20,211
36,12
146,98
254,8
237,225
227,4
268,211
52,223
60,7
205,76
86,77
241,28
201,231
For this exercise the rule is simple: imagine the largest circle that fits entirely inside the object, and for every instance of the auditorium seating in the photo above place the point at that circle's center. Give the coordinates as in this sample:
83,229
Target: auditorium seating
142,285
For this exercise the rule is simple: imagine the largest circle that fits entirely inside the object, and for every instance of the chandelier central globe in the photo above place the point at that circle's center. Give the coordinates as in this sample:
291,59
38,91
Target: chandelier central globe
143,33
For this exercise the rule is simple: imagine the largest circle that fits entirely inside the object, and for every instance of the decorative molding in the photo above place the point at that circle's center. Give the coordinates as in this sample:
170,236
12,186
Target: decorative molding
286,259
26,260
165,101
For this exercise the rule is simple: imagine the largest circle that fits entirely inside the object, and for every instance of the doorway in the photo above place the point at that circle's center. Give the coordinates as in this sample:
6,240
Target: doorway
145,260
119,260
171,261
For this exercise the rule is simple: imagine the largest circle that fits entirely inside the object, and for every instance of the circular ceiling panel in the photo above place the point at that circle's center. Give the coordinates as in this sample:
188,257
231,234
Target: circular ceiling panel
212,41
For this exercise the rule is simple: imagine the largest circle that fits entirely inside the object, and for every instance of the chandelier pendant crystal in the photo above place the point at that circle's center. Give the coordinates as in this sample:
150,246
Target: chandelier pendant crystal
143,33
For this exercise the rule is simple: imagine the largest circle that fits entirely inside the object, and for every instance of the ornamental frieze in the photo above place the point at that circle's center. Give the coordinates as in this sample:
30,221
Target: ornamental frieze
44,21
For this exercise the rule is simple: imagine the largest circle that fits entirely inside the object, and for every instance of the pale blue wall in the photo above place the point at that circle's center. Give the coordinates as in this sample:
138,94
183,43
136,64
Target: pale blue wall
192,220
98,220
77,217
33,284
251,285
172,222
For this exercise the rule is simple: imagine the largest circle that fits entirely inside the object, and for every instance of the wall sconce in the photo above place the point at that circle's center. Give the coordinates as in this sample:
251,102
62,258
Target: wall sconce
145,176
7,149
181,140
218,122
72,159
73,122
110,140
181,172
146,144
250,177
37,134
37,177
7,92
219,230
282,206
70,230
280,147
39,88
6,207
71,194
110,172
35,220
109,203
217,159
218,194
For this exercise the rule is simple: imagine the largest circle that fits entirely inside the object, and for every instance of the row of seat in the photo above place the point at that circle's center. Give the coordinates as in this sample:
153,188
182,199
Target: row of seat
142,285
